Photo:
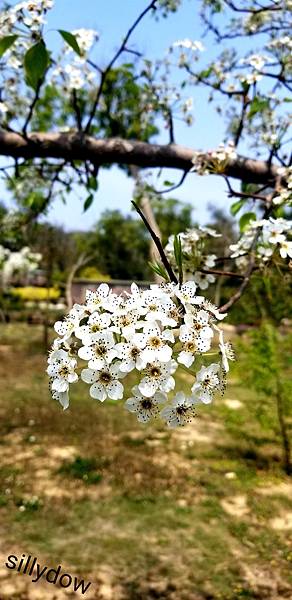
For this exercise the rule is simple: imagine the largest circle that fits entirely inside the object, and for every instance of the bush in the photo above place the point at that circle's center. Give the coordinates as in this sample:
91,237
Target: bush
35,294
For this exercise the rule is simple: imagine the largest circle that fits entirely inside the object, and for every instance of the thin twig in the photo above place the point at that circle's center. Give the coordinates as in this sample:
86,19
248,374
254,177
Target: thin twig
106,71
232,192
31,108
225,273
158,245
174,187
250,268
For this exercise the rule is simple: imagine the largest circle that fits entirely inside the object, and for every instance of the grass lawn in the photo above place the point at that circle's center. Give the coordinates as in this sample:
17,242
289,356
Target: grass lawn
201,513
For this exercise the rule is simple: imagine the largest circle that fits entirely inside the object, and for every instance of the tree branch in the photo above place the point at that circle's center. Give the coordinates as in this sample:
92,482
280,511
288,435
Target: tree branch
158,245
75,146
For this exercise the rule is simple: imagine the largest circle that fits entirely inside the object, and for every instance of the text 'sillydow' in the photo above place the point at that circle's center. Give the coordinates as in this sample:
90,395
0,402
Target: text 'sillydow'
29,566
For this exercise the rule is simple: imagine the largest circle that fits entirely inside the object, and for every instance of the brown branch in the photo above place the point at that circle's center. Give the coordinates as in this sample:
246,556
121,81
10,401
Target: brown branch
32,107
243,285
250,268
252,11
225,273
255,196
158,245
75,146
173,187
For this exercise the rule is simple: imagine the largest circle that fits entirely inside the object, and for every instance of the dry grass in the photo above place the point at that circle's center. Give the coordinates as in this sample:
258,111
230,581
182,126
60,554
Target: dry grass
142,512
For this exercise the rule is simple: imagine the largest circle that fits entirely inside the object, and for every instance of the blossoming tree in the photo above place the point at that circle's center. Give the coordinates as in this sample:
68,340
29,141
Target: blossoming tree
64,116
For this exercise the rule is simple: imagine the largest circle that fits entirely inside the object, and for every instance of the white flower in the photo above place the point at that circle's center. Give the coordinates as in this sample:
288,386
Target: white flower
180,412
209,230
227,352
286,249
196,336
264,252
99,299
100,352
203,279
62,371
153,343
130,355
189,44
144,407
96,323
156,305
126,321
210,261
187,293
62,397
104,383
158,376
207,382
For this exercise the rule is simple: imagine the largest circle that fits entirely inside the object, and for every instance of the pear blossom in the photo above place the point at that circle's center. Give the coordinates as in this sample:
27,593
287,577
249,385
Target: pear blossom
153,343
100,352
61,370
157,376
130,356
226,350
286,249
145,407
139,333
179,412
96,324
207,381
104,383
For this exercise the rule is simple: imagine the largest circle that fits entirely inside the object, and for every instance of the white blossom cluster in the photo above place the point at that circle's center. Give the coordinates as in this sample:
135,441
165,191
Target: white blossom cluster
26,20
14,263
271,235
151,333
194,258
284,194
214,161
73,71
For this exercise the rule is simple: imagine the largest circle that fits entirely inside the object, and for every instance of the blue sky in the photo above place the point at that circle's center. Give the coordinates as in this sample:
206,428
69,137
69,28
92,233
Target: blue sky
112,19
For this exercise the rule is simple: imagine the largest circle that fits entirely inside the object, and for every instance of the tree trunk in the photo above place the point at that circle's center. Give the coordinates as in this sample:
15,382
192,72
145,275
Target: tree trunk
146,207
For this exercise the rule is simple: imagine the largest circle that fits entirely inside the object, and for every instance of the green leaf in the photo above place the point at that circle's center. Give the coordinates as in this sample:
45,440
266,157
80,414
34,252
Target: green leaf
92,183
168,183
177,250
258,105
206,73
71,40
159,269
245,220
236,206
6,42
36,61
88,202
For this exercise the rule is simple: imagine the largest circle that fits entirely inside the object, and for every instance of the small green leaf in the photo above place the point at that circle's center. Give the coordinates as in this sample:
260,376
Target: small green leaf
88,202
6,42
256,106
168,183
177,250
236,206
71,40
245,220
92,183
159,269
36,61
